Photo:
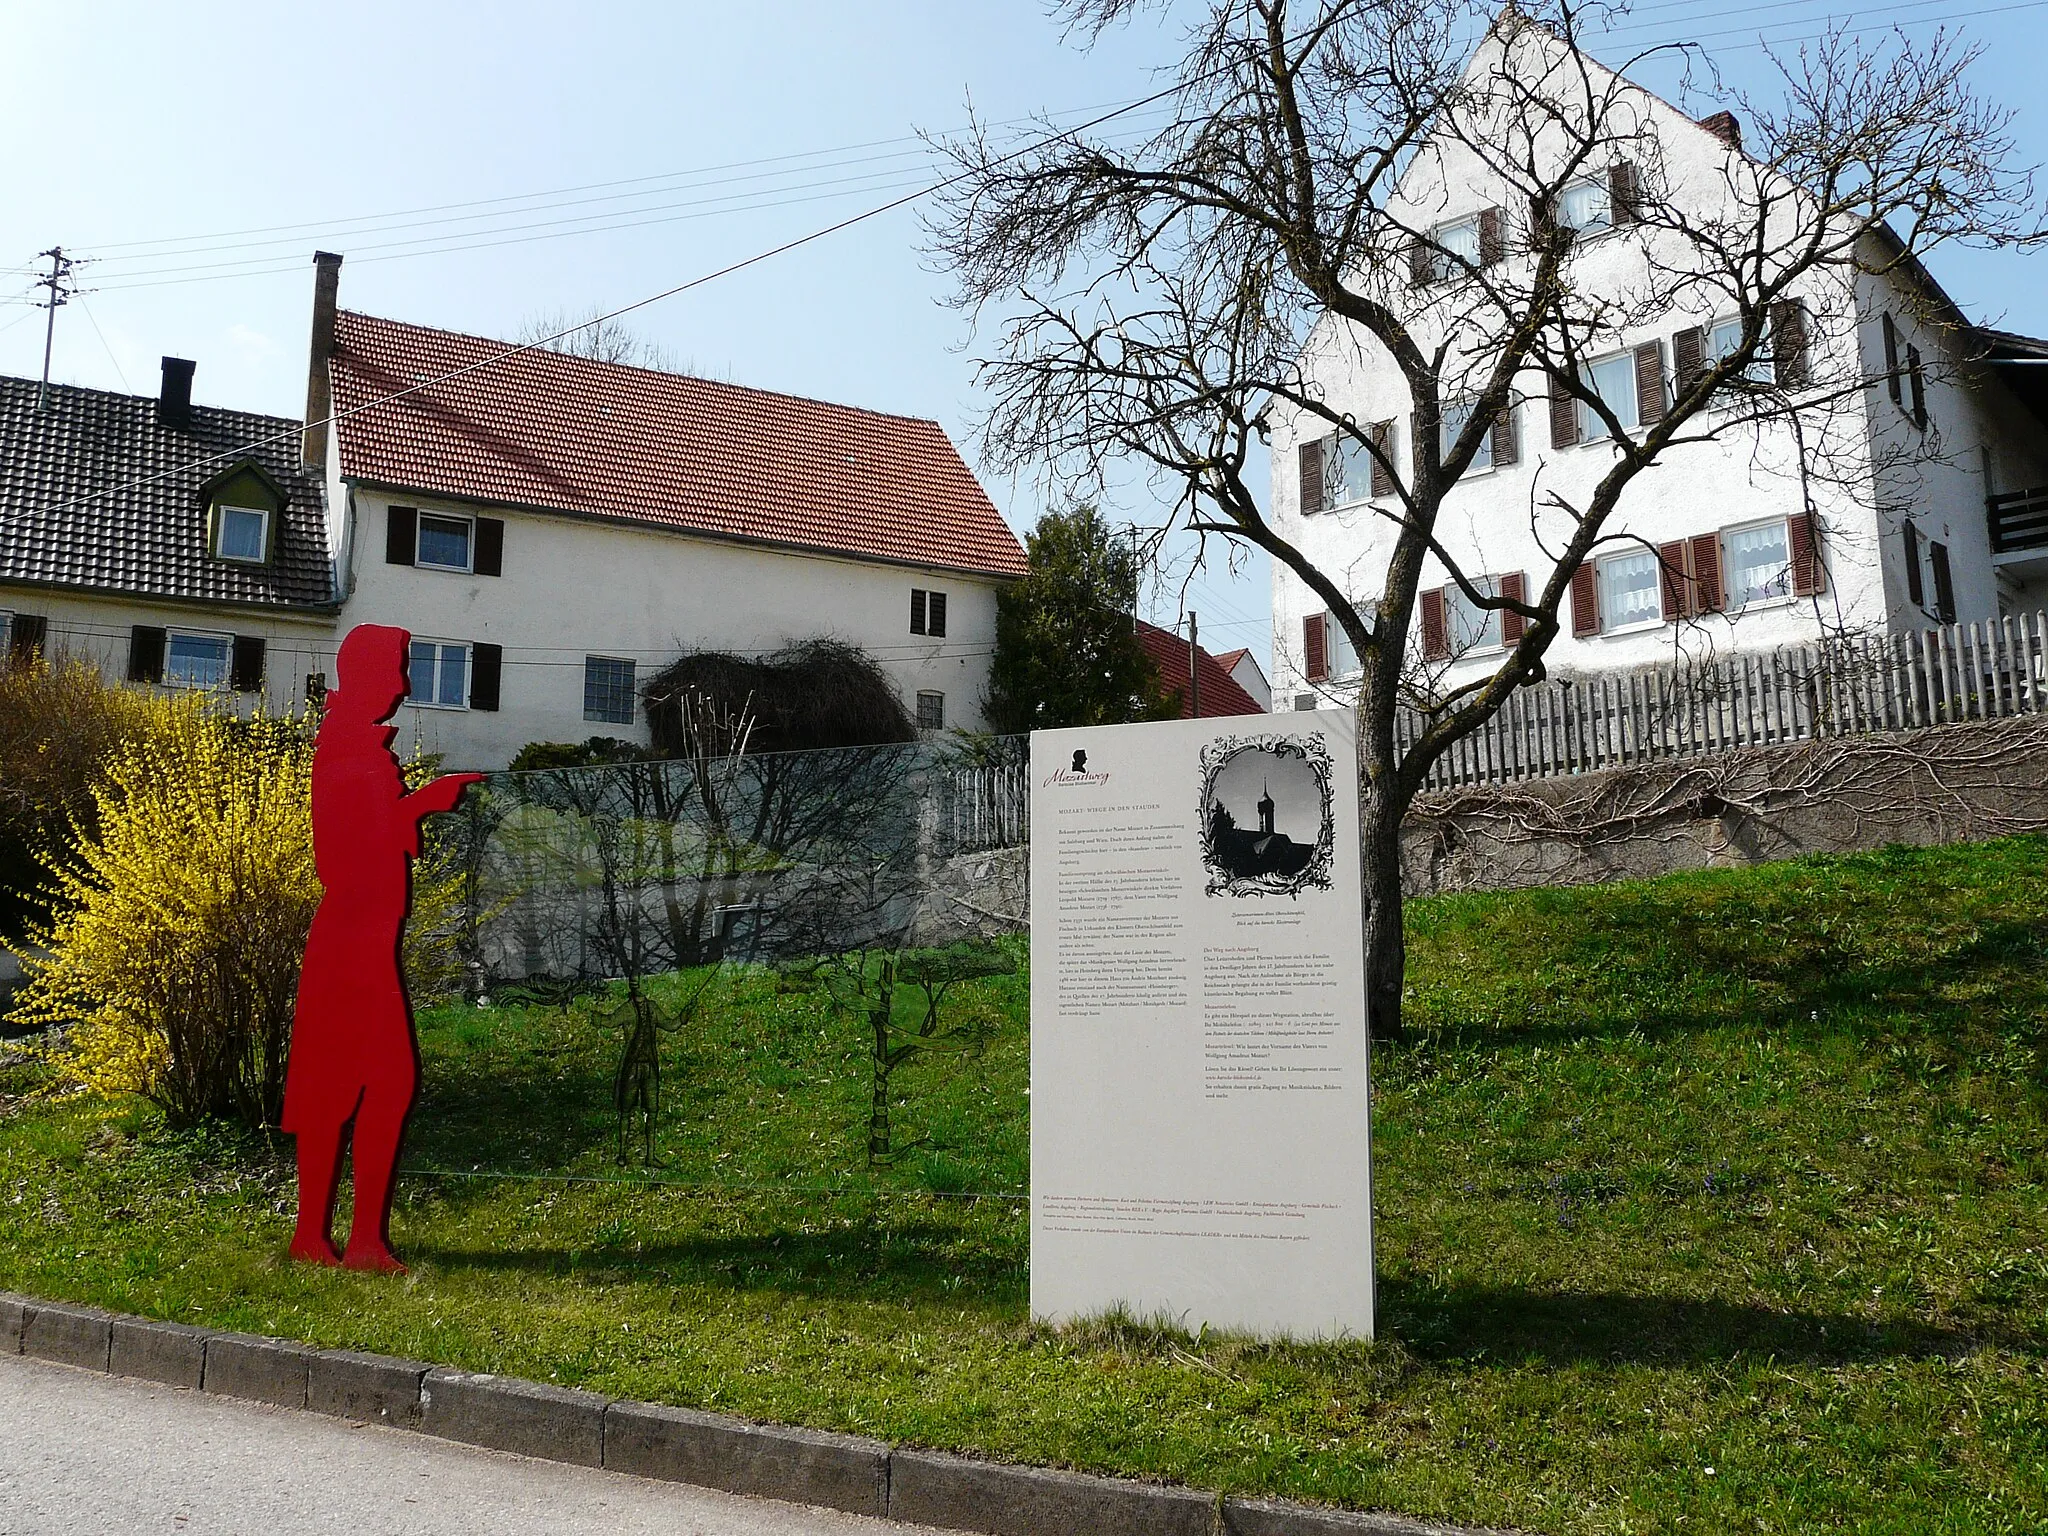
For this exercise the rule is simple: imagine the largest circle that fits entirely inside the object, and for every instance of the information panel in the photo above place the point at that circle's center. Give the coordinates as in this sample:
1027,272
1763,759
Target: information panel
1200,1122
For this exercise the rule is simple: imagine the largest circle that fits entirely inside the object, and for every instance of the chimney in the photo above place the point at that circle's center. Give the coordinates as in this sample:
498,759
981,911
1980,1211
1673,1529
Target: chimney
174,403
319,394
1726,127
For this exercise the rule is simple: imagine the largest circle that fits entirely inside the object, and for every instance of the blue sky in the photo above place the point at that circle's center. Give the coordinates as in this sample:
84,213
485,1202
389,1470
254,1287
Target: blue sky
202,151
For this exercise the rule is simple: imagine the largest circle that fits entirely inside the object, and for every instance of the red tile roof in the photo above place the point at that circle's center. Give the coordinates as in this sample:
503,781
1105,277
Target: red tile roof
1220,693
554,432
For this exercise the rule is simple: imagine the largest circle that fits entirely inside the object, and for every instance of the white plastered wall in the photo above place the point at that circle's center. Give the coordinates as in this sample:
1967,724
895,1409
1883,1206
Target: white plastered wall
577,587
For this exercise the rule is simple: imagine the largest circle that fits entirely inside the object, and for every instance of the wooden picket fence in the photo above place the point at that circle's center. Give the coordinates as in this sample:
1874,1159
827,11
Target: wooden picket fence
1845,687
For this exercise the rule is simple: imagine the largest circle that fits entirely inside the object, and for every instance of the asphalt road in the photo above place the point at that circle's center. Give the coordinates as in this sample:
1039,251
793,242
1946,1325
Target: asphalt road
95,1454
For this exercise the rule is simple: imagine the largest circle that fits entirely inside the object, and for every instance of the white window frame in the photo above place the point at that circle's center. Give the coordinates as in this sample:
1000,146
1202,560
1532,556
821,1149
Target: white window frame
220,533
1634,626
173,635
1455,417
1758,371
1490,618
1591,428
1734,599
632,687
1443,266
930,693
442,647
1344,447
419,543
1600,185
1343,660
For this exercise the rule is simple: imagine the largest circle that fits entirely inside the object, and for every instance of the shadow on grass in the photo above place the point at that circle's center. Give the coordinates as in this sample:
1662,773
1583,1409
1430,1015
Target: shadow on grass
973,1263
1510,1324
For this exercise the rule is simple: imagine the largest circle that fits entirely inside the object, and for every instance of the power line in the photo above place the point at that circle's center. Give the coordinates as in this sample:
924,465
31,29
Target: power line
515,350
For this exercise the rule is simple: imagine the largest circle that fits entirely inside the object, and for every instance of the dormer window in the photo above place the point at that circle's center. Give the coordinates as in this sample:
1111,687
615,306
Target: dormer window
243,509
242,533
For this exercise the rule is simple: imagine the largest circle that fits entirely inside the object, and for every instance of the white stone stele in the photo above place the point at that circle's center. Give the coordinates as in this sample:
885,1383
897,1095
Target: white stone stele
1200,1111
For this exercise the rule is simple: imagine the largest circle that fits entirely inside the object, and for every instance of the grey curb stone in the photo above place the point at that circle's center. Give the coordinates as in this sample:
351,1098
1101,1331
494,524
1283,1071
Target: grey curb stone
265,1370
966,1495
375,1389
68,1335
506,1414
1270,1517
801,1466
167,1352
13,1311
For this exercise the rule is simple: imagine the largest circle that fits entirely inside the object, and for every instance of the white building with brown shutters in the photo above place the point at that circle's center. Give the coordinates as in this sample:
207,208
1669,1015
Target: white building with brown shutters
1731,544
554,530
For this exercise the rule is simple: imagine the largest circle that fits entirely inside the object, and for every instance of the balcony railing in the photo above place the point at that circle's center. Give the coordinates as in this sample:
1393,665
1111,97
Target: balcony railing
2019,520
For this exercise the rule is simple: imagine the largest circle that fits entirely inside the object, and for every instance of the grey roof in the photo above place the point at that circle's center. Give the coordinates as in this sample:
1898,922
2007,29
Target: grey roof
97,495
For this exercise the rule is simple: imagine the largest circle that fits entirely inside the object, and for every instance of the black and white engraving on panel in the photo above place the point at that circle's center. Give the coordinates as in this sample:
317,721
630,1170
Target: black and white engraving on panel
1269,826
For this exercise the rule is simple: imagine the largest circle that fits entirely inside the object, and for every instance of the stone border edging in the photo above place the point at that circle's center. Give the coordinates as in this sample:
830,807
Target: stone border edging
798,1466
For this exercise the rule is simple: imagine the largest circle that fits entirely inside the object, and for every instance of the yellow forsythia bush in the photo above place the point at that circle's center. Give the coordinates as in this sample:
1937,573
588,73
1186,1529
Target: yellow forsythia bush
182,920
181,923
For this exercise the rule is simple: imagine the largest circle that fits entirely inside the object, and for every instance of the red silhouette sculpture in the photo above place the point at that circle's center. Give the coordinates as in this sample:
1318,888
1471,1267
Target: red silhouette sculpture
354,1056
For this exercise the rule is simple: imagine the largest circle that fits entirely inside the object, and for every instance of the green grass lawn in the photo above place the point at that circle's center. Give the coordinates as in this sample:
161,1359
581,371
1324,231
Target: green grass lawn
1711,1203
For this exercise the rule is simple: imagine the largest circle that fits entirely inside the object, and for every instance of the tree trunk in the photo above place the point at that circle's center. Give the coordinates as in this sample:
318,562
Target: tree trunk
1386,953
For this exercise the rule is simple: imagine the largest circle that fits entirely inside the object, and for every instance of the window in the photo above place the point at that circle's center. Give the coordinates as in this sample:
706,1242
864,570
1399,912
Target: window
444,542
1586,206
1723,338
927,612
1455,419
1343,655
1451,251
608,689
1304,701
1630,594
1758,564
1471,627
1352,473
197,660
241,533
440,674
931,711
1614,381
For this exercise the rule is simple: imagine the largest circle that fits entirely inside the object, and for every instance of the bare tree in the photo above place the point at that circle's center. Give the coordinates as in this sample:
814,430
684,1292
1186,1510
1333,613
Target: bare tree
591,334
1166,303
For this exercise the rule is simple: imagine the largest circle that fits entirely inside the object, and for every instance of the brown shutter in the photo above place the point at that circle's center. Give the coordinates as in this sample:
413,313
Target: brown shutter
1891,361
1688,357
1808,575
1944,583
145,654
1919,383
1564,414
917,610
486,674
1585,601
1544,230
1419,263
490,546
1707,595
1909,536
28,637
935,615
1308,461
1382,433
1788,343
1649,383
1492,237
1506,441
1677,585
1514,586
245,669
401,535
1436,631
1315,647
1624,195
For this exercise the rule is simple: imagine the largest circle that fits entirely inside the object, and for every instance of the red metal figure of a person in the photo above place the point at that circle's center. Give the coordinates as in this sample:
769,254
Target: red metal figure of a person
354,1056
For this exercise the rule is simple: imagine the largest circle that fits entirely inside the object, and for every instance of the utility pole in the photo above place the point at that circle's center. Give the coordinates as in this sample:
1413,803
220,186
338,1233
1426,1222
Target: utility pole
1194,671
57,281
